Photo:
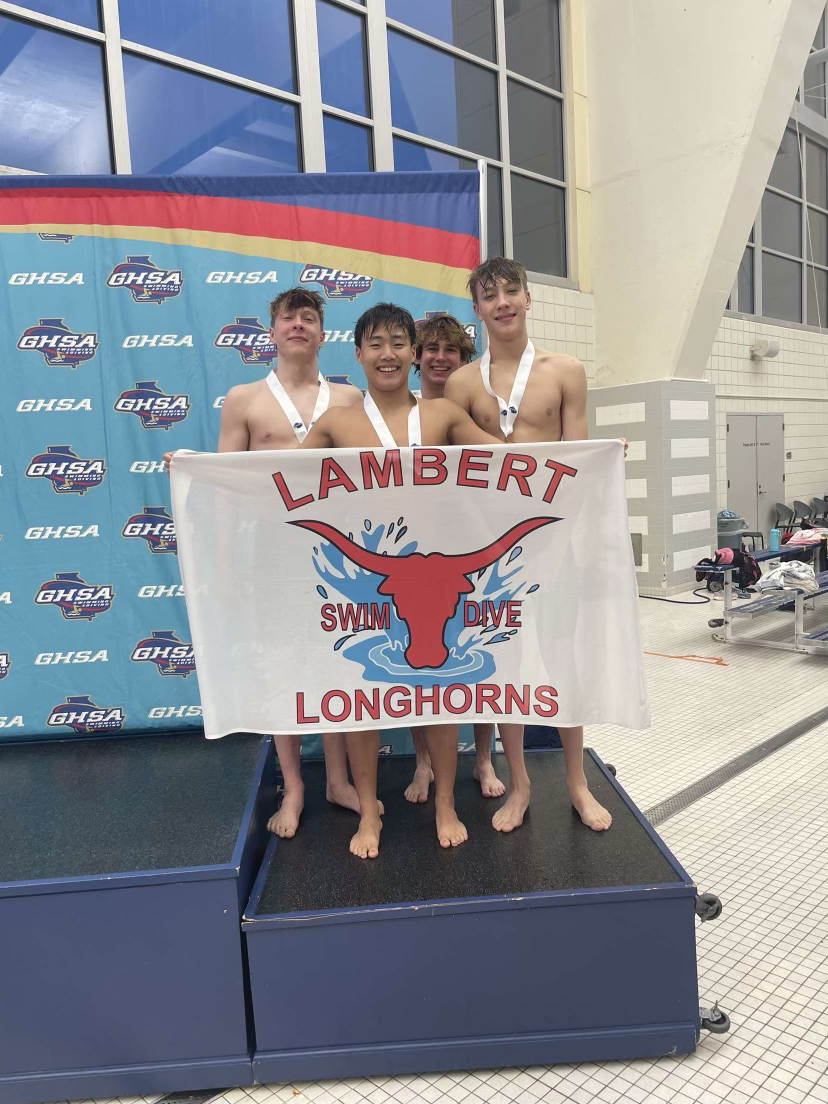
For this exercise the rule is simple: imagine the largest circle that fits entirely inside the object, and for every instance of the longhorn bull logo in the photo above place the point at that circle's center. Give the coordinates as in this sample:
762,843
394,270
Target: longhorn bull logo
425,587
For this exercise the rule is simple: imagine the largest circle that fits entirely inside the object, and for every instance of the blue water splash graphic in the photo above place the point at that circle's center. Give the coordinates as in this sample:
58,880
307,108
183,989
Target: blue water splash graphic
381,652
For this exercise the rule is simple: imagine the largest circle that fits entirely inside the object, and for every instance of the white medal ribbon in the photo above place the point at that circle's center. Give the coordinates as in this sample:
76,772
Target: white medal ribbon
509,410
384,433
291,413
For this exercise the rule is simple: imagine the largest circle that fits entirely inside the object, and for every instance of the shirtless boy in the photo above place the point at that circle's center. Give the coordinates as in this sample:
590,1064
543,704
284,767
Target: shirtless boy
442,345
392,418
543,397
275,413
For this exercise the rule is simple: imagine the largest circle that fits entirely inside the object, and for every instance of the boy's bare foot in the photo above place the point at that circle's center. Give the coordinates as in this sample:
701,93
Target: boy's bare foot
490,784
591,812
285,820
450,830
365,844
510,814
347,797
417,789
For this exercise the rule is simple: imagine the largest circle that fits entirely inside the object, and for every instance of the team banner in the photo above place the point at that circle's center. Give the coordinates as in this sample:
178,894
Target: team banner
128,307
362,589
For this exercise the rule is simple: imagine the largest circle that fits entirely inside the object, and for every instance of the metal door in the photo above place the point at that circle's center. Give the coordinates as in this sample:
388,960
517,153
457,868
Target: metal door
770,468
742,483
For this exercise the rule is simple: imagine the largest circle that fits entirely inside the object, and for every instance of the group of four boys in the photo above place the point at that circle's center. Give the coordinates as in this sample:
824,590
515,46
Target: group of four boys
294,406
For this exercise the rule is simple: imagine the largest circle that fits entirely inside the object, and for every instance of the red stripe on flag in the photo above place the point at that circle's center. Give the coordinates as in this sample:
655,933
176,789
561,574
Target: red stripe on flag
234,216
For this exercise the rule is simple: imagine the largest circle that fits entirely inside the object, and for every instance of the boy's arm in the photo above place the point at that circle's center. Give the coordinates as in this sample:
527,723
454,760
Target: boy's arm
574,426
457,391
320,435
462,430
234,435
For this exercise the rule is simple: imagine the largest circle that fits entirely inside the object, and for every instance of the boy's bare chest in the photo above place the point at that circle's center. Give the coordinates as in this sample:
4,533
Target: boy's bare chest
539,412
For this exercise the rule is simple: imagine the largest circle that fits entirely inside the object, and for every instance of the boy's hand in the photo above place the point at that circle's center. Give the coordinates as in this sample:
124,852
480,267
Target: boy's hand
624,439
167,457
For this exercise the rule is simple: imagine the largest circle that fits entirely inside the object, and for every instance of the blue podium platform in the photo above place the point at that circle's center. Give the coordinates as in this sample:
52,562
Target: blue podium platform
124,870
552,944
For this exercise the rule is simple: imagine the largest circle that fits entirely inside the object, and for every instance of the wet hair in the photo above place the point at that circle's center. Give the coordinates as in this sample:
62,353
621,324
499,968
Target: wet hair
383,316
296,298
445,327
490,271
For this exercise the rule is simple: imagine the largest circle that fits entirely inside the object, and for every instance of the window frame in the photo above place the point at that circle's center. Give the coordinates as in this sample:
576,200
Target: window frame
312,109
759,249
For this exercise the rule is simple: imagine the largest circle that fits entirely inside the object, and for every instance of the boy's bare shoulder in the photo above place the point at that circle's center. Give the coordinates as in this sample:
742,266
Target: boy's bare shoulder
240,394
345,394
563,363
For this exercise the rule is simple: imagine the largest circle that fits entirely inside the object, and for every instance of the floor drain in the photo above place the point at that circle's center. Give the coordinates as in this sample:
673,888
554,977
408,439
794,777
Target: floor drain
710,782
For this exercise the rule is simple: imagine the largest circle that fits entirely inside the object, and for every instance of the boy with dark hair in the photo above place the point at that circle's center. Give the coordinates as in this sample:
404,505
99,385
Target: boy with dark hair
520,393
276,413
442,345
391,418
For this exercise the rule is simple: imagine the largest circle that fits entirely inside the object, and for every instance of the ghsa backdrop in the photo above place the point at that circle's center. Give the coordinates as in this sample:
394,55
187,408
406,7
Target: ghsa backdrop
129,306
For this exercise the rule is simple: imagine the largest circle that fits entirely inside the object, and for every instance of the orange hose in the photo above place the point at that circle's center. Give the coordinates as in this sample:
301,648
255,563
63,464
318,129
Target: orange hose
717,661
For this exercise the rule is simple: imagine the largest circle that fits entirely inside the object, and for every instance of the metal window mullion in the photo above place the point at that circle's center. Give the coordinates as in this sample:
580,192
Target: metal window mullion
444,147
757,262
440,44
503,117
309,80
553,93
350,5
203,70
518,170
115,87
483,211
50,21
380,84
349,116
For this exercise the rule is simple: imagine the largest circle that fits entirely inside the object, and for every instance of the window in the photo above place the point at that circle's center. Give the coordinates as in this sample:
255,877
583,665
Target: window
812,91
538,219
342,58
442,97
245,37
347,146
533,40
452,103
468,24
236,87
84,12
784,269
208,126
52,101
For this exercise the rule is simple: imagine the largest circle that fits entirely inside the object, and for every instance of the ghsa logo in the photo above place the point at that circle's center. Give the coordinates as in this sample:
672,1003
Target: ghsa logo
170,655
65,470
81,714
65,238
57,343
156,527
5,663
77,600
336,283
469,327
249,338
146,282
155,408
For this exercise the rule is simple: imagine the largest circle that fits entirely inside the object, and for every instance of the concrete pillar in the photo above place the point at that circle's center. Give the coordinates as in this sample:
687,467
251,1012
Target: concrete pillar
687,105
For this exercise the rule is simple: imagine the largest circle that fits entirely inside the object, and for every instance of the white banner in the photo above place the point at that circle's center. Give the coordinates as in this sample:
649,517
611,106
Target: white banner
358,589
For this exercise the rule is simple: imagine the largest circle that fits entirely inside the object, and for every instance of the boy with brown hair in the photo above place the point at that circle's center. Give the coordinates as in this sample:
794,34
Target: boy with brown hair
441,346
276,413
521,393
391,417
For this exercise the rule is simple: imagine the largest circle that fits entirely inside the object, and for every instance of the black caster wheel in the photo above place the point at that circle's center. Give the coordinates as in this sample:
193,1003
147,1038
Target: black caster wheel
708,906
716,622
611,769
714,1020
